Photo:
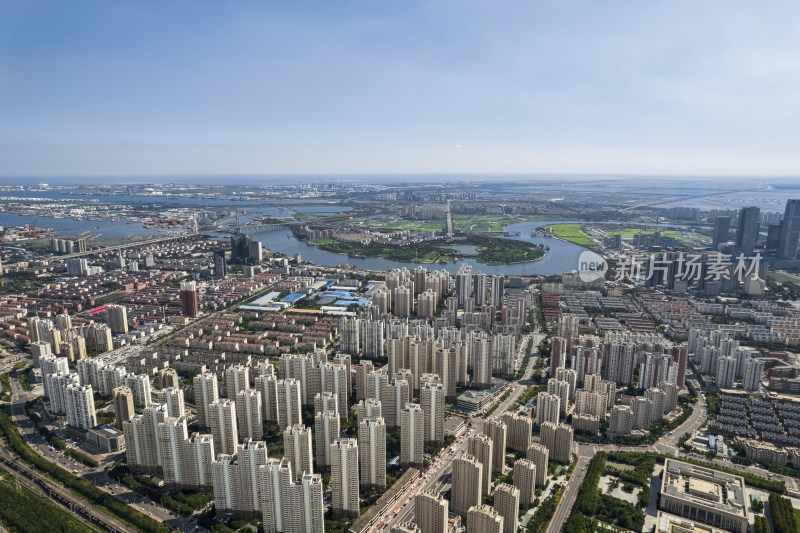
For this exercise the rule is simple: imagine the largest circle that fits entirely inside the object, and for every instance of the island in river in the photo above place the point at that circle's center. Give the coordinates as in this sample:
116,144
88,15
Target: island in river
485,249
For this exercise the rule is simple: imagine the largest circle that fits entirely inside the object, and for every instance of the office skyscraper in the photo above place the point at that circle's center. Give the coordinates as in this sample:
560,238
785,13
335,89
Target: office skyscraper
722,231
747,234
220,264
189,304
790,231
117,318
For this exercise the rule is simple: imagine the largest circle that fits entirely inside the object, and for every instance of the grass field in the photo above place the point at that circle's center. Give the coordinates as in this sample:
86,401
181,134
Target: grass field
571,233
492,223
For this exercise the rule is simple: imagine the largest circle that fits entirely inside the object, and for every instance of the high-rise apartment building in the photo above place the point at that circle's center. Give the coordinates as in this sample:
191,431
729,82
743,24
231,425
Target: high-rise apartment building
168,377
290,506
557,438
236,480
539,455
393,398
431,399
520,431
363,368
412,431
249,414
206,392
79,401
480,446
297,449
497,430
561,389
141,389
548,407
372,453
123,405
326,430
224,429
753,370
237,378
172,398
467,483
142,443
368,408
621,420
275,481
431,511
344,477
506,503
289,403
524,479
268,385
484,519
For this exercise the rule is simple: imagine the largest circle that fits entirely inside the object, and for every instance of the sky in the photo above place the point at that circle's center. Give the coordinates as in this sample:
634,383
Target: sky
358,87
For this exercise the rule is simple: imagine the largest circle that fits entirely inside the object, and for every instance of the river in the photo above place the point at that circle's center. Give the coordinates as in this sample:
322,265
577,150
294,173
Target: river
560,258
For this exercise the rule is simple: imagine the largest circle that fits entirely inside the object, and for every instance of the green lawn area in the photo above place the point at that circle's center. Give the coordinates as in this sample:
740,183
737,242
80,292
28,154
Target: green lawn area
797,518
571,233
782,278
629,233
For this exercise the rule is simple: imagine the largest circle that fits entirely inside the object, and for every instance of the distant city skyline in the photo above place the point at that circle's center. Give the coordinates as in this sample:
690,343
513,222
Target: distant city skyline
666,88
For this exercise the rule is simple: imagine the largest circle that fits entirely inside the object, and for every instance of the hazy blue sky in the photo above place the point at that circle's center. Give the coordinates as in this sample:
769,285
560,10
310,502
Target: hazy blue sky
672,87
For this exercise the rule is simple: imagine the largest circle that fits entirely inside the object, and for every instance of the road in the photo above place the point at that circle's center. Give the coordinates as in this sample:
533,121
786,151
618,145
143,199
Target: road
667,444
568,498
440,474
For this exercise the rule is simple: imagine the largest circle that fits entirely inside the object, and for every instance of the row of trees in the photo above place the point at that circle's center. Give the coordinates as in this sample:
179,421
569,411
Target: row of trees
24,510
83,488
782,513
